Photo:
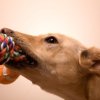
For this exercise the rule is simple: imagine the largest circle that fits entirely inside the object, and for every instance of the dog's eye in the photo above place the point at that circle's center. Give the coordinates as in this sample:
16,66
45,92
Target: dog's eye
51,39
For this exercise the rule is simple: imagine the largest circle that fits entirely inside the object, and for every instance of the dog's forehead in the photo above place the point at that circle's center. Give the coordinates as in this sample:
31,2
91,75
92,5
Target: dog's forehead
51,34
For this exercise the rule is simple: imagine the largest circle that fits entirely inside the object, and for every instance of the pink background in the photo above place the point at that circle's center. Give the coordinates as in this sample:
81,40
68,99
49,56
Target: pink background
79,19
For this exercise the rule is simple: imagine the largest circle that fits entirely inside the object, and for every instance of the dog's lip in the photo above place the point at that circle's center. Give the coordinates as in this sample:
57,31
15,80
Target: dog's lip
32,59
30,62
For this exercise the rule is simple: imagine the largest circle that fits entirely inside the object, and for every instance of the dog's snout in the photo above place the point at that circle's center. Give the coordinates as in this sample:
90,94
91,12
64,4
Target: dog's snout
6,31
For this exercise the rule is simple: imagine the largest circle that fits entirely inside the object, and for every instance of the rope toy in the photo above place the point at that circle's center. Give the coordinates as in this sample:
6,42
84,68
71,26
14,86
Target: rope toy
9,50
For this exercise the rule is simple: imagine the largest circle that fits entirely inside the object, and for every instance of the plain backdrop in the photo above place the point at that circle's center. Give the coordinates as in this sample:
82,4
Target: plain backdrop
79,19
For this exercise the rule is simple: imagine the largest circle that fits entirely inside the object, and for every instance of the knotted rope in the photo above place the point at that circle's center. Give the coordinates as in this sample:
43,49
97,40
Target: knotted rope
9,50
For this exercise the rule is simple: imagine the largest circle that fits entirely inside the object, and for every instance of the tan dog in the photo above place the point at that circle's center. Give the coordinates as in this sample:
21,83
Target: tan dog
59,65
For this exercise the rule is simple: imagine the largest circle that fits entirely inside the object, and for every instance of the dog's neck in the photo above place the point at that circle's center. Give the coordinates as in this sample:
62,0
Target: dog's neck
73,91
88,89
94,88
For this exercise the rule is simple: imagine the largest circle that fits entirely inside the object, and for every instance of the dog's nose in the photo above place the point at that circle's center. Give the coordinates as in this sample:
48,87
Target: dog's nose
6,31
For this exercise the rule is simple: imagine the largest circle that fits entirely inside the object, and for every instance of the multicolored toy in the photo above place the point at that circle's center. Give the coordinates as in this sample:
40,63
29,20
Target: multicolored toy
9,51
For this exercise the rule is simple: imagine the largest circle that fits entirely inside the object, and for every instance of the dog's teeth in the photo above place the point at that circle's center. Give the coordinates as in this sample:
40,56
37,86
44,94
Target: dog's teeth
32,63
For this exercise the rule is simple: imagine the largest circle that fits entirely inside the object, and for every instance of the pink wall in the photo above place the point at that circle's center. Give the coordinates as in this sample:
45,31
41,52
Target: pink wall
77,18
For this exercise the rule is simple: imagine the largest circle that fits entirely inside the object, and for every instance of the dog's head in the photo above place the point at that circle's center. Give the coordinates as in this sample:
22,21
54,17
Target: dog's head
55,60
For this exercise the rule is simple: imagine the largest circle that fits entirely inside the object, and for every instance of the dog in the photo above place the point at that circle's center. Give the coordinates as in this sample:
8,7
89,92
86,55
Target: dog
59,65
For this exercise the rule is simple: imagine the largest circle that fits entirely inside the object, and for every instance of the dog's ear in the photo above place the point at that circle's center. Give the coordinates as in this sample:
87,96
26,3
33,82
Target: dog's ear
7,76
90,60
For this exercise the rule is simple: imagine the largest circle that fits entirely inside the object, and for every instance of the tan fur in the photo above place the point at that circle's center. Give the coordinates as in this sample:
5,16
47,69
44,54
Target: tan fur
67,69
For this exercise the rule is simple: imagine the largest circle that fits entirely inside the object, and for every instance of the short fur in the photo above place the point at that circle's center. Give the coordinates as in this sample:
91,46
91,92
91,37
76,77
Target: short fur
67,68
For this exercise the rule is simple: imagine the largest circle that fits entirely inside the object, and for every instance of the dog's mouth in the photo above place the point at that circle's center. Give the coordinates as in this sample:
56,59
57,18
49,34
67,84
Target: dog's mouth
30,59
27,61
